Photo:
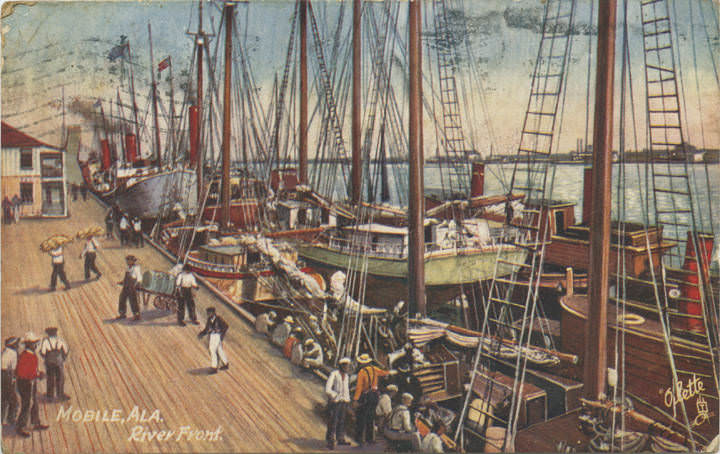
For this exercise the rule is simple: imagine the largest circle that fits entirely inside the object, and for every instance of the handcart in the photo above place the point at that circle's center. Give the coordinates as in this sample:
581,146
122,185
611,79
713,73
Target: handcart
159,287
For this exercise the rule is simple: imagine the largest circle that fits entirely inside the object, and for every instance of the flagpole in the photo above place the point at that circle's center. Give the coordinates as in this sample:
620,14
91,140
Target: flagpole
132,94
154,101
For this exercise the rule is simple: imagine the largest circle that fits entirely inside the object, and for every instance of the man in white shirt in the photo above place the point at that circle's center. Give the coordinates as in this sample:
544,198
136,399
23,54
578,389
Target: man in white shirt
58,268
137,232
54,352
130,283
264,322
337,390
400,427
184,284
282,331
313,357
90,253
384,406
124,228
9,397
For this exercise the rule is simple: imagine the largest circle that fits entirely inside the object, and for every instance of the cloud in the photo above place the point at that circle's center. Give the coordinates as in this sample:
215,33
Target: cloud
532,19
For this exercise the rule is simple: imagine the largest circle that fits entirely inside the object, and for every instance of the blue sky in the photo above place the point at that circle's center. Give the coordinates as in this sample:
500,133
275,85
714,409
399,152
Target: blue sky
52,45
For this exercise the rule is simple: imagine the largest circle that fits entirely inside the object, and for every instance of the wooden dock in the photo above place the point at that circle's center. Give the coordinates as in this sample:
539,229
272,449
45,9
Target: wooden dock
261,404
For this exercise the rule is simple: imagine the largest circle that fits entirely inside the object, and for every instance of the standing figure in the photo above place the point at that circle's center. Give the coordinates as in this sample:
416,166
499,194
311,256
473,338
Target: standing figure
89,252
58,268
137,232
337,390
366,398
7,210
109,224
54,351
17,207
130,283
216,328
184,284
28,374
124,227
9,364
74,189
84,191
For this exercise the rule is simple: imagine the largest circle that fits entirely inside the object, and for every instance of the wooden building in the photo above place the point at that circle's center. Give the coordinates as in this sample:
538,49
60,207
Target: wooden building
35,171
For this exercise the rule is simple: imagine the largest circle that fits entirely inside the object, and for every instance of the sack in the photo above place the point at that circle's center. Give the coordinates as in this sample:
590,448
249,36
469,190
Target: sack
54,358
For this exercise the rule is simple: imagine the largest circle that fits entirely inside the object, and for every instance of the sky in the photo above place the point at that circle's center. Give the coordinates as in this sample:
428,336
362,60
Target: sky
56,50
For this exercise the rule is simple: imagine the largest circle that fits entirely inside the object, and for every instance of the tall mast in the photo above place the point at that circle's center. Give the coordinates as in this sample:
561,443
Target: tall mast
225,196
303,125
135,107
416,246
200,39
599,272
154,100
356,172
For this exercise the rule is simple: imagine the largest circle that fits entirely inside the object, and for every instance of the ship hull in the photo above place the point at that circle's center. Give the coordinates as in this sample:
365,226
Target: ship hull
159,194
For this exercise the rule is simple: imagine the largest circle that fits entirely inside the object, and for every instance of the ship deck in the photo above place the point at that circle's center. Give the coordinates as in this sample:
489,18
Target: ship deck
261,404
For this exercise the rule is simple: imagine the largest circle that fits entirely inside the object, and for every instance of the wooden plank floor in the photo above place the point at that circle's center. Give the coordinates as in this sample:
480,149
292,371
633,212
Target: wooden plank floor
262,404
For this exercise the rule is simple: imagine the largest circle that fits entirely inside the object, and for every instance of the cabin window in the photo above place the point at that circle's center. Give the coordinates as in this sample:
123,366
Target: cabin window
51,166
26,159
559,221
26,192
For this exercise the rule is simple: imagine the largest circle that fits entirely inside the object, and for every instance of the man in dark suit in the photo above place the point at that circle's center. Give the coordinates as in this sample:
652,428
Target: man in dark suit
216,328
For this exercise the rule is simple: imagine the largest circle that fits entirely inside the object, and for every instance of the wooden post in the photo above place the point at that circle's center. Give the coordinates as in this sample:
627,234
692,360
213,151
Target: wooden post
416,200
356,171
599,272
303,120
569,281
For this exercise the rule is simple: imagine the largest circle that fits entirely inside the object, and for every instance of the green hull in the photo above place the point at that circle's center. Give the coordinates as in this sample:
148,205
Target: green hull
447,269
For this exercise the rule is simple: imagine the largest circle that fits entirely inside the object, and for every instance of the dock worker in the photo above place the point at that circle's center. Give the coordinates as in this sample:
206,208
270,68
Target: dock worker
313,356
185,283
9,363
130,284
282,331
400,428
89,253
109,224
84,191
432,441
337,390
384,406
7,207
54,352
297,353
366,398
17,207
28,374
124,227
216,328
295,337
265,322
58,268
137,232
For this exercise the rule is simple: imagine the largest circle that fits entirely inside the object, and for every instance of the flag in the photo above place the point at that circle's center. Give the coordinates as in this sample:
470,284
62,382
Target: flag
164,64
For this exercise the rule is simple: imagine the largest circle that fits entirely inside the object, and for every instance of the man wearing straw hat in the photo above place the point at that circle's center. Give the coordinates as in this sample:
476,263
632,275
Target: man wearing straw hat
28,374
89,253
337,390
9,363
313,356
366,398
282,331
58,268
130,283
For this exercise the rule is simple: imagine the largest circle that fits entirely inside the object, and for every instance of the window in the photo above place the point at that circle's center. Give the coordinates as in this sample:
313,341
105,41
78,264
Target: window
26,192
26,159
51,166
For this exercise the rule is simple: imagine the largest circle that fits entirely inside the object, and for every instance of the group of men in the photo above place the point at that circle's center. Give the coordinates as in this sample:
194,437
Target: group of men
374,410
57,260
297,345
130,229
21,373
12,209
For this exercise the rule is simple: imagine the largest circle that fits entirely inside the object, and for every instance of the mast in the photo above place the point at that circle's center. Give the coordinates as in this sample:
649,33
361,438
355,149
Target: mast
416,246
303,124
200,39
154,100
135,107
356,171
225,195
599,272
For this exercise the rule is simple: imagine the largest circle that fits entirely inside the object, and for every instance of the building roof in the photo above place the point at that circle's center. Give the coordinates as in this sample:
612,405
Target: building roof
12,137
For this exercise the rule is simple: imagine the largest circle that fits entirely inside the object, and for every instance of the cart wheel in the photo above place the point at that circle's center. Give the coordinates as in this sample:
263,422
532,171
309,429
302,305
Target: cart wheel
172,305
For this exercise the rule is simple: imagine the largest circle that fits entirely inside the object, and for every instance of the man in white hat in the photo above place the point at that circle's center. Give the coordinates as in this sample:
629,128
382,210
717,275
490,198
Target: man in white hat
384,406
282,331
400,427
337,390
313,357
264,322
28,374
366,398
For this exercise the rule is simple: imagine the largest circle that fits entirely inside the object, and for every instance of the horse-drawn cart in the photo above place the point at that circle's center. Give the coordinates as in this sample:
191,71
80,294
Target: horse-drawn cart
160,288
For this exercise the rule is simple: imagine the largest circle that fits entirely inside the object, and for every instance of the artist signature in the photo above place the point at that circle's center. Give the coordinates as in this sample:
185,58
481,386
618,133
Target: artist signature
683,393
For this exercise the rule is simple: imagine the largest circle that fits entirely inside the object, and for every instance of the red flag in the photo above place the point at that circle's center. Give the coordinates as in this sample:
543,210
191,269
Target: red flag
164,64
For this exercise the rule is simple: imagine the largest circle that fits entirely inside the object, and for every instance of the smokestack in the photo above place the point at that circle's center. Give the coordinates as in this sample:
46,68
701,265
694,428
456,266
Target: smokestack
130,148
477,183
194,135
106,162
587,196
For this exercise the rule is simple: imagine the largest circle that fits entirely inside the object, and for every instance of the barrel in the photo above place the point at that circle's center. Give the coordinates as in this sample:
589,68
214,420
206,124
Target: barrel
158,282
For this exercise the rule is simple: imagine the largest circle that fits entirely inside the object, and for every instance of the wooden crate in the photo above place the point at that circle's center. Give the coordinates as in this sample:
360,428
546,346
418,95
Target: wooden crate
533,406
